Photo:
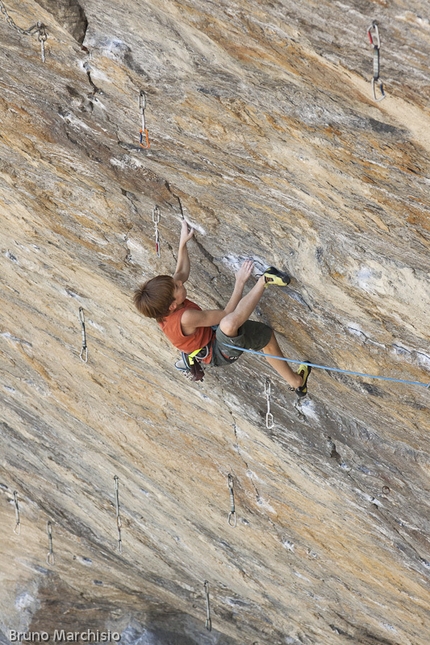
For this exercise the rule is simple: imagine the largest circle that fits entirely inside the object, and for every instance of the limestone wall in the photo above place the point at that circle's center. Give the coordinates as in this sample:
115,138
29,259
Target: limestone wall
263,129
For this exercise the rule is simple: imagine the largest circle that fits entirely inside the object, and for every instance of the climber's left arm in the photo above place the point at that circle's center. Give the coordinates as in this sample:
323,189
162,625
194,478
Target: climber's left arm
182,270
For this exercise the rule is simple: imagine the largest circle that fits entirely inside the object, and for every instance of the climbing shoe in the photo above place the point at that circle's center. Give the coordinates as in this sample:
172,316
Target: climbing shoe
303,371
181,367
274,276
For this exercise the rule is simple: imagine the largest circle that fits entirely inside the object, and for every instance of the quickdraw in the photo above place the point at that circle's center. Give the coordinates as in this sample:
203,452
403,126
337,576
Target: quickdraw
118,516
268,393
232,518
50,558
39,28
84,351
208,623
375,41
42,37
144,137
17,528
156,220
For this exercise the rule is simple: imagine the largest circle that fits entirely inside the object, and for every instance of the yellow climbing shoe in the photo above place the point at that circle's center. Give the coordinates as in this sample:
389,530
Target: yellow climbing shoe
276,277
303,371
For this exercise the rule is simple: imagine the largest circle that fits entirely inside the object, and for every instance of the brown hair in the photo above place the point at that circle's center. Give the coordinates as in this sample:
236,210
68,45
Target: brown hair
154,298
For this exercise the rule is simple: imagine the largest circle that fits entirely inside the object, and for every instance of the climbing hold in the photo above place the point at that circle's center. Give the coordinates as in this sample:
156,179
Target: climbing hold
84,351
144,137
232,518
373,35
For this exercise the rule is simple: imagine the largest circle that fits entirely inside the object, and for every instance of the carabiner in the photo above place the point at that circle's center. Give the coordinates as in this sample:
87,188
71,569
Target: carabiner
377,81
375,41
374,38
144,139
142,101
232,518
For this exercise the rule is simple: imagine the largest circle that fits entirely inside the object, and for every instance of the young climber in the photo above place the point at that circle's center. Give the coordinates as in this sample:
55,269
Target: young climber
191,329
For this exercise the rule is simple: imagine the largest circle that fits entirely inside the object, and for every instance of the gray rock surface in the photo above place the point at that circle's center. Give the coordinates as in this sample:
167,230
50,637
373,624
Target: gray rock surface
264,131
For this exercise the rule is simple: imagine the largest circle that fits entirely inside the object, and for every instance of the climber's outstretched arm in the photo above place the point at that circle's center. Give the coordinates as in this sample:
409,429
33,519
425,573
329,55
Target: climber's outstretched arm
182,271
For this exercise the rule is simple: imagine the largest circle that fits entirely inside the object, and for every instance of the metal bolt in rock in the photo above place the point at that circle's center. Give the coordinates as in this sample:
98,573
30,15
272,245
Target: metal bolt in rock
39,28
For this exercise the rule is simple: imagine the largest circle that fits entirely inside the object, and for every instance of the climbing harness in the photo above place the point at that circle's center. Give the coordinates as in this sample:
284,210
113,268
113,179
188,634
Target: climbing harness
193,362
268,393
331,369
118,516
144,138
373,35
190,364
50,558
232,519
84,351
156,220
39,28
17,528
208,623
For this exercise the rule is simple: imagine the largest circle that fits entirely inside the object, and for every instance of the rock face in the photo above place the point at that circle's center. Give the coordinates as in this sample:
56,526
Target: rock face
264,131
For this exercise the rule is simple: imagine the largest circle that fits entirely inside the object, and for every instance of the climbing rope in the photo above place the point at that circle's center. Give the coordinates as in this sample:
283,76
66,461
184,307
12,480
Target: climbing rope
118,516
156,220
373,35
268,393
331,369
208,623
50,558
232,519
84,351
144,137
39,28
17,528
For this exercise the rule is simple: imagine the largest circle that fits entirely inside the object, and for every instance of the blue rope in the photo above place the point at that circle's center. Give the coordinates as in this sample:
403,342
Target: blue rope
331,369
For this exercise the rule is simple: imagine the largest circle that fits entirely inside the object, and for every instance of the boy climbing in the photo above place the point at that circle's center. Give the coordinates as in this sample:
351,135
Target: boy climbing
191,330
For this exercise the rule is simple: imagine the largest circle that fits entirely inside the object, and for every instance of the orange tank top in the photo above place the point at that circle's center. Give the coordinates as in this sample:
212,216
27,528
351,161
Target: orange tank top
171,326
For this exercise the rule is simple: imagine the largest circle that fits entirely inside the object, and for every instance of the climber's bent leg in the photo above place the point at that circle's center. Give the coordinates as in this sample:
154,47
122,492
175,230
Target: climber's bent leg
281,367
251,335
232,322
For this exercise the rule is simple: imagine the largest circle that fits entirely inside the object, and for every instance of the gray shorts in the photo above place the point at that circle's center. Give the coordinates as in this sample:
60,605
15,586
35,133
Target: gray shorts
252,335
